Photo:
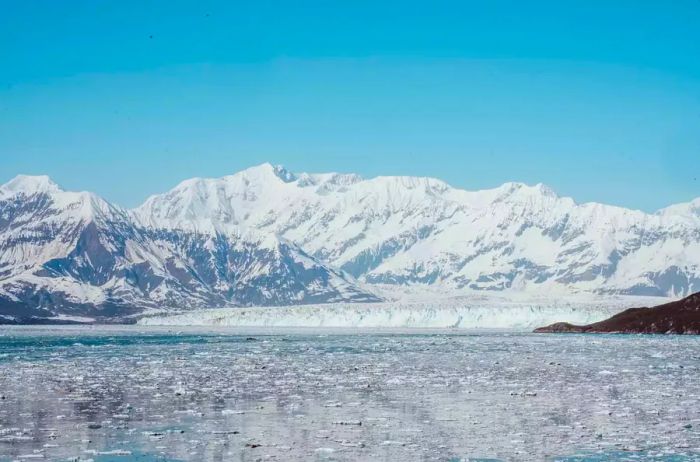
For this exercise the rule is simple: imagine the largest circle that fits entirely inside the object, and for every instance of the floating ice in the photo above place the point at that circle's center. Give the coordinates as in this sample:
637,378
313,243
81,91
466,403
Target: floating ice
310,394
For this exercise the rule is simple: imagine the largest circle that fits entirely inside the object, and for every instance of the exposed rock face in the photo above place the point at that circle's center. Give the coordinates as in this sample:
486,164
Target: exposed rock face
679,317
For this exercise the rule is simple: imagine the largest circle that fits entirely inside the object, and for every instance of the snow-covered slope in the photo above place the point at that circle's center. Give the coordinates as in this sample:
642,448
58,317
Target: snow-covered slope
265,236
405,230
74,254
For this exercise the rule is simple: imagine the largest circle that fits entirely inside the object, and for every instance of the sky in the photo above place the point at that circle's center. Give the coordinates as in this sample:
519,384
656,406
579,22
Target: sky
600,100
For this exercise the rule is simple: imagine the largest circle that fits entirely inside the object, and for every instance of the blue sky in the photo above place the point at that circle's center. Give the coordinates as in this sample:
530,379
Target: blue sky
598,99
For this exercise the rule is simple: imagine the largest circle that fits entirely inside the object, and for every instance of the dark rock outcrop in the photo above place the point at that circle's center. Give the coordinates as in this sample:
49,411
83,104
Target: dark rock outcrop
679,317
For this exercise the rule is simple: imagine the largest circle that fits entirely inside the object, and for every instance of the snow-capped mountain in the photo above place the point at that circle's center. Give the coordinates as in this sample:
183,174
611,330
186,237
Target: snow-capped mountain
266,236
67,253
406,230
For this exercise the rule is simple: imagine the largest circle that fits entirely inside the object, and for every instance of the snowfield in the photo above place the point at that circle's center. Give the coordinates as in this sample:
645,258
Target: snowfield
478,312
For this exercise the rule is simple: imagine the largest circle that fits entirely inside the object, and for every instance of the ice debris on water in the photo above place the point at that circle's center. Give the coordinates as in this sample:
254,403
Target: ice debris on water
306,395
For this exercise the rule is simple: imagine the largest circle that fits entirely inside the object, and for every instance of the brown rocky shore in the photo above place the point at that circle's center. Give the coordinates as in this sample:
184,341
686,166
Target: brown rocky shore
679,317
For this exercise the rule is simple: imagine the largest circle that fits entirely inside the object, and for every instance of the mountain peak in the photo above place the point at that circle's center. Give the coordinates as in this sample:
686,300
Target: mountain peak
690,209
512,188
30,184
266,170
545,190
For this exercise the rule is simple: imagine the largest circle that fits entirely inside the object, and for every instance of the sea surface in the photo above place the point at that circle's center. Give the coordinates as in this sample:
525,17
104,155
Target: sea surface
159,394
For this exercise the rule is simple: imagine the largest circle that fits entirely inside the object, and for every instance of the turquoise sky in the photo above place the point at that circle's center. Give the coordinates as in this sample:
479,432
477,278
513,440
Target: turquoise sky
598,99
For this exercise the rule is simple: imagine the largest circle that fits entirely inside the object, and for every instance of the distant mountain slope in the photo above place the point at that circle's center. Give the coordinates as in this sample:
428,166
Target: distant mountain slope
405,230
74,254
265,236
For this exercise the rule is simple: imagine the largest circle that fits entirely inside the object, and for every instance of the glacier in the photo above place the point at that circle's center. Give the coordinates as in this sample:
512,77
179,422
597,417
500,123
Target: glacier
476,312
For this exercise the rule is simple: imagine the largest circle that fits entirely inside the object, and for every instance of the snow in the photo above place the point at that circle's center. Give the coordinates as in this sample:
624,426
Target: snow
355,234
27,184
47,224
70,288
413,227
688,210
47,231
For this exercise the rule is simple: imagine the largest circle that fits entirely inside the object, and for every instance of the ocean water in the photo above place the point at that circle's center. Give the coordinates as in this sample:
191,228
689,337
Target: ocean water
153,394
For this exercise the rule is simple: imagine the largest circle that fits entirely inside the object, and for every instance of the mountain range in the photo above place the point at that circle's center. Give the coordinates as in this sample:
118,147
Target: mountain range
266,236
